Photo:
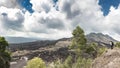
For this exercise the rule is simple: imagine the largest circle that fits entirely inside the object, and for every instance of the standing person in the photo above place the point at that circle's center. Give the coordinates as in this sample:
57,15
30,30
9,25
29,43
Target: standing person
111,44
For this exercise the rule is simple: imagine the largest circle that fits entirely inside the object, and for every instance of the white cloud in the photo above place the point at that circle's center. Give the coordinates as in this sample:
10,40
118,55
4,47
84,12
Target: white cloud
9,3
42,5
11,18
47,22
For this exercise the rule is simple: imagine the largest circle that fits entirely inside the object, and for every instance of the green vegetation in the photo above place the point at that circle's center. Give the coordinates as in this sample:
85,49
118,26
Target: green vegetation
94,50
4,54
59,64
82,63
117,44
68,63
78,40
101,50
36,63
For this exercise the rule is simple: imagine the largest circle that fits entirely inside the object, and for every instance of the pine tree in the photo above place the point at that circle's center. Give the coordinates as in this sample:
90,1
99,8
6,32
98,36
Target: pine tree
4,54
78,40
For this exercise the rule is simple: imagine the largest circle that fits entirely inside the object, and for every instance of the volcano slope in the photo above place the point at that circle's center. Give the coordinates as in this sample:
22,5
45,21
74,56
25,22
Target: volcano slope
109,59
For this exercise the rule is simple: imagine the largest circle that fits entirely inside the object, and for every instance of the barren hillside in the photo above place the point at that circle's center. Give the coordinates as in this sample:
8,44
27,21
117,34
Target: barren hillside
109,59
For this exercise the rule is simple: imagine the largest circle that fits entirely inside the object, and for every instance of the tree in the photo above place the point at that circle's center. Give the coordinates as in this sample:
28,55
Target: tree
36,63
4,54
78,40
92,49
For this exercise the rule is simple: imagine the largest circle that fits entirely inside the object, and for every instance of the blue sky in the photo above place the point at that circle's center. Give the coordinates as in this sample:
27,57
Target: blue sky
26,4
106,4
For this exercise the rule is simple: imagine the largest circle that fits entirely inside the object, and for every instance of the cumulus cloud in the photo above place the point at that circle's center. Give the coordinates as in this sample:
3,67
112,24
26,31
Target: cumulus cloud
49,23
11,18
43,5
9,3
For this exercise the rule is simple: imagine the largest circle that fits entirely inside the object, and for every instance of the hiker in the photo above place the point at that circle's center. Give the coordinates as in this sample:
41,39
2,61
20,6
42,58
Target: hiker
111,44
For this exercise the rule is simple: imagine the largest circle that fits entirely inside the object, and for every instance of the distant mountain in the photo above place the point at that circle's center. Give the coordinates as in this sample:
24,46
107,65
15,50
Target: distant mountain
28,43
19,39
92,37
100,38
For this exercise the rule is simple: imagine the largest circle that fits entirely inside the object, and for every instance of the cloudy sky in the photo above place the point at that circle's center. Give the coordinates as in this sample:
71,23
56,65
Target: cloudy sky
53,19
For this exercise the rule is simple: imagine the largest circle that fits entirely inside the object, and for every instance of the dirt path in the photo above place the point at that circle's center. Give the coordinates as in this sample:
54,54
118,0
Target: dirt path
19,64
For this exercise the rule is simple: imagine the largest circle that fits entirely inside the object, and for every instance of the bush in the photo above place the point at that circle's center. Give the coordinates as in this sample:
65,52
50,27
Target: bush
68,62
36,63
95,50
101,50
79,63
82,63
59,64
92,48
117,44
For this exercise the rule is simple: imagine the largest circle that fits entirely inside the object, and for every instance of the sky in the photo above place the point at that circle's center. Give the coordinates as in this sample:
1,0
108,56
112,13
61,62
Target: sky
54,19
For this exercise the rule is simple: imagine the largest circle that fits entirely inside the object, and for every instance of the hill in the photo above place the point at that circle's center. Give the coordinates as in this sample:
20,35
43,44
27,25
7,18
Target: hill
109,59
99,37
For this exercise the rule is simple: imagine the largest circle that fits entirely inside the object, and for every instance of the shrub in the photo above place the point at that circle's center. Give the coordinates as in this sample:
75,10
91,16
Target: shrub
36,63
59,64
95,50
79,63
68,62
117,44
92,48
101,50
82,63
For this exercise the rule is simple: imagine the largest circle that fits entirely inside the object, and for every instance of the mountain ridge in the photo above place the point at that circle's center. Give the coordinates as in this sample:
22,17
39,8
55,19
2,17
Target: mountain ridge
101,39
90,37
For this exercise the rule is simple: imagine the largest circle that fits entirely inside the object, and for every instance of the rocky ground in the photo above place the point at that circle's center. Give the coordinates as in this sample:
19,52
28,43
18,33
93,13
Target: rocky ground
48,54
109,59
